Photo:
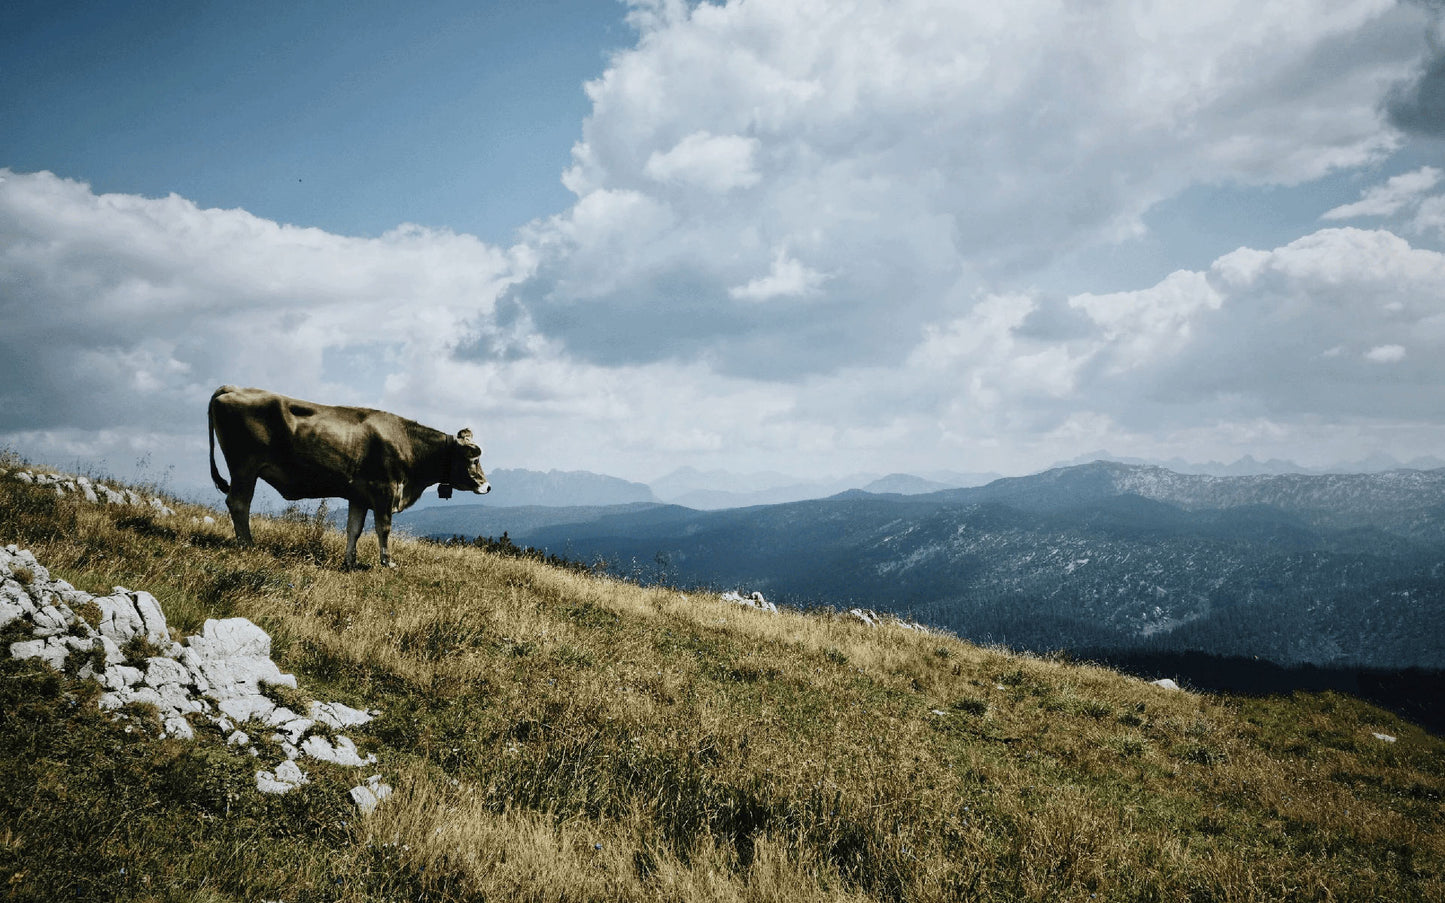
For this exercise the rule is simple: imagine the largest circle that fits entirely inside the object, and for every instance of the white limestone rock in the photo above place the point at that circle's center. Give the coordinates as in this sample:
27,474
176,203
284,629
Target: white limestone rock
296,729
367,796
176,726
174,698
243,708
342,752
16,556
52,653
287,776
233,658
217,676
119,620
113,655
228,638
1165,682
118,677
161,670
337,716
10,611
152,620
754,600
50,621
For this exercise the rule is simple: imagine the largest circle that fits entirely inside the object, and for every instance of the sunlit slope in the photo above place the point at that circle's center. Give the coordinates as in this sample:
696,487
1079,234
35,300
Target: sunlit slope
553,735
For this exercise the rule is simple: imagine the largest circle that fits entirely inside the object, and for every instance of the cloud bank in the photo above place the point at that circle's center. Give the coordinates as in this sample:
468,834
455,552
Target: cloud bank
805,237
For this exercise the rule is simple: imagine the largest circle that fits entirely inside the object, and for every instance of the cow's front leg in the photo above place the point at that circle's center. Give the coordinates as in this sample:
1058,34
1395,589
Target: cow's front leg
383,533
355,520
238,503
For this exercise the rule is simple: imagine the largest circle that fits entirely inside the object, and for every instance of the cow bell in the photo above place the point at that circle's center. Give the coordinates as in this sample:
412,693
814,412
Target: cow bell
444,490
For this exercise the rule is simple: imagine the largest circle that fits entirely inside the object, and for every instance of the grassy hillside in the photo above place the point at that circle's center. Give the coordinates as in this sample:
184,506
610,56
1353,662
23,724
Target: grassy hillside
557,736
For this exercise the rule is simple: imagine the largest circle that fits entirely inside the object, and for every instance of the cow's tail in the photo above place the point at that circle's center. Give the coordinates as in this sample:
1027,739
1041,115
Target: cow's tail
221,484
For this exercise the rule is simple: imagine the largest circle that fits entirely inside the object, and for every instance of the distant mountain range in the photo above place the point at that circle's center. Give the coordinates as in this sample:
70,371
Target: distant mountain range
705,491
1340,569
1248,466
718,489
515,488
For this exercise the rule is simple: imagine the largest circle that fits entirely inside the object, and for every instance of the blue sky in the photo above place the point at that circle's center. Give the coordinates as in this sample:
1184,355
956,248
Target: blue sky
353,117
794,236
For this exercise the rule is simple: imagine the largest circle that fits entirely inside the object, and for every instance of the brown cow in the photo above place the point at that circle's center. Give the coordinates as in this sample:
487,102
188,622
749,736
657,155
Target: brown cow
373,459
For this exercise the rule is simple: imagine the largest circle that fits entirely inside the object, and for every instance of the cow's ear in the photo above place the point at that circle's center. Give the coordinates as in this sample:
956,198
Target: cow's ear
465,438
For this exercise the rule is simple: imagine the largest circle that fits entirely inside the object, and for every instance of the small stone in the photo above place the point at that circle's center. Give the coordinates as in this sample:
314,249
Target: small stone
280,715
287,776
344,751
365,798
337,716
297,728
176,726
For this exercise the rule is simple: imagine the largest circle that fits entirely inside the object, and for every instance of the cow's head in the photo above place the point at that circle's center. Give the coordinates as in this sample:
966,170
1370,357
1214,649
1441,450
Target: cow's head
467,469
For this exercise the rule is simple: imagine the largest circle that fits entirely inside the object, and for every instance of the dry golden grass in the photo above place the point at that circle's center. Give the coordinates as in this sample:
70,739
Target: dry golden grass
559,736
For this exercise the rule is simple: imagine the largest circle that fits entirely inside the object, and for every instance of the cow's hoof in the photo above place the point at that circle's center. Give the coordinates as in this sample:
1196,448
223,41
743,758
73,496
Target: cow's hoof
389,564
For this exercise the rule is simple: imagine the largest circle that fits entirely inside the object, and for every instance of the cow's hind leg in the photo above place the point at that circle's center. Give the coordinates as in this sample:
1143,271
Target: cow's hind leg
355,520
383,533
238,502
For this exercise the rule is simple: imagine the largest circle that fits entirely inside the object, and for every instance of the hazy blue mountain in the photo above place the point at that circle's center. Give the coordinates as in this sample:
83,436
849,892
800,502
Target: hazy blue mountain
960,478
1249,466
717,489
1407,501
472,519
689,479
907,484
516,488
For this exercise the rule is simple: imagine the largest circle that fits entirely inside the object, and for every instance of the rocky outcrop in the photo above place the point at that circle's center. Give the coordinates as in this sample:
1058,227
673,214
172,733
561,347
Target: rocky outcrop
90,490
755,600
870,618
219,676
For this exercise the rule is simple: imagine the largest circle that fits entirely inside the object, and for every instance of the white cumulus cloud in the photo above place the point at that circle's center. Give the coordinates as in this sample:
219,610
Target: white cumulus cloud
1399,192
903,147
787,278
1386,354
717,163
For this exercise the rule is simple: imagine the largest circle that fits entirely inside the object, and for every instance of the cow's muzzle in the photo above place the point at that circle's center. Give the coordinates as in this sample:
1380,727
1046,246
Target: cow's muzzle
483,489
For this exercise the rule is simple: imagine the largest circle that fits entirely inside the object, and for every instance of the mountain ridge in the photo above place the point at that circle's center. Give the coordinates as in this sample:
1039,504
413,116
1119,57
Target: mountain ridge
1321,569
